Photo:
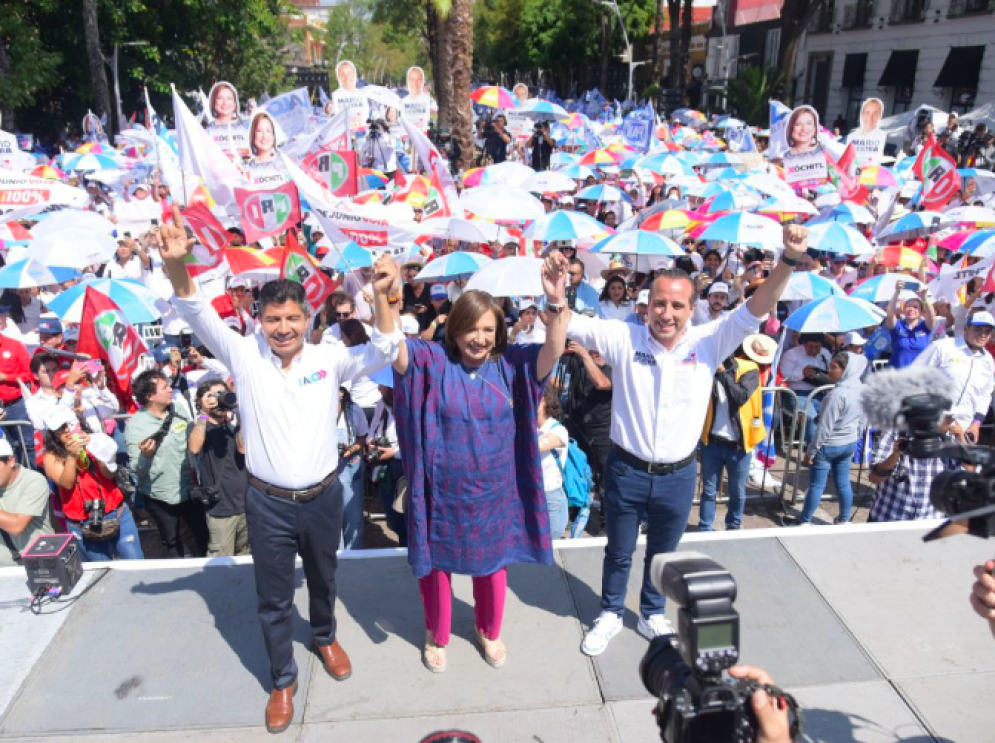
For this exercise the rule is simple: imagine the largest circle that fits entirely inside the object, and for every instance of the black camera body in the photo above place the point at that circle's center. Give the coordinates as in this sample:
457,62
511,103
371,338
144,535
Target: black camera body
684,671
226,400
373,454
94,514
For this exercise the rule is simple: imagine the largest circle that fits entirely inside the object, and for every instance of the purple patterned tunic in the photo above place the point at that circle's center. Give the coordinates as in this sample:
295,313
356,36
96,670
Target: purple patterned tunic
471,456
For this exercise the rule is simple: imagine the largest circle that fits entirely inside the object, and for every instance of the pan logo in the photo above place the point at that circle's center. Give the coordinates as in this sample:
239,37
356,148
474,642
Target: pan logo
313,378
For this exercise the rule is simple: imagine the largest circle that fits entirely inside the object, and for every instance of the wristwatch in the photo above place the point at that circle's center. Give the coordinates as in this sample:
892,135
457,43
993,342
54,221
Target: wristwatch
555,308
792,262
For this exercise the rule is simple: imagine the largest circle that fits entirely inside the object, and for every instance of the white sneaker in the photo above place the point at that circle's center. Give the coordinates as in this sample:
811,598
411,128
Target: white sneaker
654,626
606,626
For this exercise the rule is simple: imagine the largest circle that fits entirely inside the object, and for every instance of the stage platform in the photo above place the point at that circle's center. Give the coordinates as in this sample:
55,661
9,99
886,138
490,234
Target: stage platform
870,628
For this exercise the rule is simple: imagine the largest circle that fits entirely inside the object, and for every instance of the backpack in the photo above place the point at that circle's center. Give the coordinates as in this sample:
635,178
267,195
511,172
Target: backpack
578,480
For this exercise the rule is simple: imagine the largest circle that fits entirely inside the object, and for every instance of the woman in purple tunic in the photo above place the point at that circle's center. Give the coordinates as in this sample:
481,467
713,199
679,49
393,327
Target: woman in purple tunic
466,414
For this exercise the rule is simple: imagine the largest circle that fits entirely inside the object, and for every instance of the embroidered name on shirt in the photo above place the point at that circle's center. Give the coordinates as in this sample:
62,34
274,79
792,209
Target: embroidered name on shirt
646,359
316,377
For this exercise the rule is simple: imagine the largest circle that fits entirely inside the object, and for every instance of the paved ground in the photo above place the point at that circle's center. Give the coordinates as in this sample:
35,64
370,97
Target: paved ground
867,625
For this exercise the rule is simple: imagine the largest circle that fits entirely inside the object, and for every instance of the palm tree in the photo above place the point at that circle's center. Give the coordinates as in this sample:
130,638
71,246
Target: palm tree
460,33
95,57
750,92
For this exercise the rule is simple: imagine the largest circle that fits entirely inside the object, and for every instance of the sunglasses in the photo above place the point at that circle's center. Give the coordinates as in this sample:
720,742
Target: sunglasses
343,315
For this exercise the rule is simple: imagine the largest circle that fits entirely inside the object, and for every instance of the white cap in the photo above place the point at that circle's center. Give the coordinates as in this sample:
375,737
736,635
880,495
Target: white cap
526,304
719,287
5,450
103,448
644,297
981,318
853,338
409,325
58,417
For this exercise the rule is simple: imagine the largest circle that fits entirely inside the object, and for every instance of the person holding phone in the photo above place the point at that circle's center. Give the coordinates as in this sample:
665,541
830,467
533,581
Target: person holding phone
416,296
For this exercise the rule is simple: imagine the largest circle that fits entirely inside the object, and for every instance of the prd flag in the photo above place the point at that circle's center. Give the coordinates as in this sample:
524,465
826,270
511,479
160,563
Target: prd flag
268,212
212,238
298,266
106,334
939,176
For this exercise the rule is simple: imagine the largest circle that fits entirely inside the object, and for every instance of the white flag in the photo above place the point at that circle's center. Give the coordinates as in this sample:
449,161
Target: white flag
945,286
333,135
438,170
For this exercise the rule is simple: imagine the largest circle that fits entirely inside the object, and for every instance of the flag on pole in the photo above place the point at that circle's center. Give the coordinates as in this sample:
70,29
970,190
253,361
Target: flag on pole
939,176
778,145
843,175
268,212
106,334
438,171
212,238
298,266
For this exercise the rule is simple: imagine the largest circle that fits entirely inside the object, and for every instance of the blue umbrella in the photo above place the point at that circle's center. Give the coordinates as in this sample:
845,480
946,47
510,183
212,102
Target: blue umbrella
732,201
834,315
458,265
912,225
578,172
745,228
602,192
836,237
30,273
664,163
638,242
137,302
809,285
563,225
540,109
348,258
705,190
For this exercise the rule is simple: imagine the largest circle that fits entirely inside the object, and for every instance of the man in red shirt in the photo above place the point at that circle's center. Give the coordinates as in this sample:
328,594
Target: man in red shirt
15,367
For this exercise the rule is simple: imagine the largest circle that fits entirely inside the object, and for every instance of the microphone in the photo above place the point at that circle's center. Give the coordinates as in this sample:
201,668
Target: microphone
884,392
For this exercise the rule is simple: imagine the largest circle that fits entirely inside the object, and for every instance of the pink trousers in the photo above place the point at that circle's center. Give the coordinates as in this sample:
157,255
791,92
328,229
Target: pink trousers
488,599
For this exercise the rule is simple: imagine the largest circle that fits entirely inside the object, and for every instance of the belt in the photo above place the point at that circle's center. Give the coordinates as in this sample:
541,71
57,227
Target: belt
658,468
298,496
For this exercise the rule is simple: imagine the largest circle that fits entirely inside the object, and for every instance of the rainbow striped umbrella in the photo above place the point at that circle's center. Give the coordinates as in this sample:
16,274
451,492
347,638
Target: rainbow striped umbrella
91,148
895,255
601,157
954,240
671,220
980,244
877,176
48,171
473,177
494,96
372,178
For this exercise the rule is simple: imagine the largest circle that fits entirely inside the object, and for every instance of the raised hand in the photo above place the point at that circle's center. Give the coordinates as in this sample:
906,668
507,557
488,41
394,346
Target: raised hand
385,274
174,245
554,277
795,239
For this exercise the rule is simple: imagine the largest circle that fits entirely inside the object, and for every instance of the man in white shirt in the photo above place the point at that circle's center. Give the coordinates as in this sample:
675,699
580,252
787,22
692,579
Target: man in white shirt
802,368
662,376
131,261
714,306
971,371
288,395
357,285
529,328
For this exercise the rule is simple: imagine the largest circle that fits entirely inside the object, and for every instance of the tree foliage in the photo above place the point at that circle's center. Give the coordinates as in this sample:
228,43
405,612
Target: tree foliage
29,68
750,92
377,48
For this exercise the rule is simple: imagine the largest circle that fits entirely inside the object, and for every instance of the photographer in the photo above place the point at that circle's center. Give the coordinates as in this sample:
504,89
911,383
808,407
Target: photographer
970,145
379,151
496,141
81,464
24,506
540,146
131,260
383,455
216,441
902,481
157,445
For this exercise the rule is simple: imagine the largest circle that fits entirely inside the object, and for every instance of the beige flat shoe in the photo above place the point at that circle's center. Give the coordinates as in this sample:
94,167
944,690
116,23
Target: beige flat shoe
494,651
434,656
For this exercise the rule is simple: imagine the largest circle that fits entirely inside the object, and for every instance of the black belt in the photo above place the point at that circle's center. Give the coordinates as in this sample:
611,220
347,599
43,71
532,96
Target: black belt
299,496
658,468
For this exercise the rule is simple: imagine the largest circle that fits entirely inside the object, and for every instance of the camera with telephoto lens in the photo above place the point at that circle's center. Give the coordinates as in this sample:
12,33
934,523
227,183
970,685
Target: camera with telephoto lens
968,498
373,454
226,400
696,704
375,128
94,515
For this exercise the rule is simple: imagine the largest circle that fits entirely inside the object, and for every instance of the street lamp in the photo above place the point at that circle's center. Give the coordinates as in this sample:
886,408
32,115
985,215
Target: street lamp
117,84
627,57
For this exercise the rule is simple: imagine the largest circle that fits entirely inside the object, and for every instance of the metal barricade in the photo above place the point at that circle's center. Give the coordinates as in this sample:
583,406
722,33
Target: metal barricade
801,419
151,333
20,437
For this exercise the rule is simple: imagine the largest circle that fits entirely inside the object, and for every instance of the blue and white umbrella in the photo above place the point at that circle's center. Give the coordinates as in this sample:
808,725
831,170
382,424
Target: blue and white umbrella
881,288
577,172
732,201
705,190
722,158
90,161
602,192
29,273
846,212
638,242
835,315
809,285
726,174
138,303
564,225
911,226
744,228
664,163
562,159
727,122
837,237
542,110
980,245
349,257
72,248
458,265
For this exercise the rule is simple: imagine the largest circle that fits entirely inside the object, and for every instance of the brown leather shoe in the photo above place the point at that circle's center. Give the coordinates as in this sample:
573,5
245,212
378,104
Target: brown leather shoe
280,708
335,660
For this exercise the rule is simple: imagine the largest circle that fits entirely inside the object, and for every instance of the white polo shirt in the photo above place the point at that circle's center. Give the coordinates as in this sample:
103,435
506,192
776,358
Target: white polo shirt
972,377
661,397
288,420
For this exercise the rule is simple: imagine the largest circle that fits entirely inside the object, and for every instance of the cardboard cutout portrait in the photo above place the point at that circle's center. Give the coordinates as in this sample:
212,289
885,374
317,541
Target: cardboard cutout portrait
417,106
804,162
348,97
868,139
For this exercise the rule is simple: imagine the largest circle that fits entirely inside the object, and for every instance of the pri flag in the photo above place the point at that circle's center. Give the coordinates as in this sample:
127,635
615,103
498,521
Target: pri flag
438,171
298,266
335,170
843,175
939,176
107,335
212,238
268,212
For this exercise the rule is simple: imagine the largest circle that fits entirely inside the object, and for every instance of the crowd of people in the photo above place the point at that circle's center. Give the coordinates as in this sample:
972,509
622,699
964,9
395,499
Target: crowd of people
260,424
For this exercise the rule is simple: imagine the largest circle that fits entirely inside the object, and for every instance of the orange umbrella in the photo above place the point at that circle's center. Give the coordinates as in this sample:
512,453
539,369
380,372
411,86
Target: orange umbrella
241,260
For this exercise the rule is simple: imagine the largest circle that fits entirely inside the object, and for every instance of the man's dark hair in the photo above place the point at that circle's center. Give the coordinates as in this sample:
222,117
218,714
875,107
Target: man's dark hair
204,387
37,362
578,262
282,291
809,338
144,385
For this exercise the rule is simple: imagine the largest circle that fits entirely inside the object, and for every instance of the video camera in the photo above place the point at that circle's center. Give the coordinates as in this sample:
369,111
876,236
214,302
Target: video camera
376,128
684,671
226,400
373,454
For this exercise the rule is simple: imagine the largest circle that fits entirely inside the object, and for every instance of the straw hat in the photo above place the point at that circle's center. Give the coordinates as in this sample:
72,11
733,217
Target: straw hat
760,348
615,268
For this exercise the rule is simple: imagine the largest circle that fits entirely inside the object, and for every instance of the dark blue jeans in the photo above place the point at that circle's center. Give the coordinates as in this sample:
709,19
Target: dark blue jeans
835,459
716,455
127,546
631,496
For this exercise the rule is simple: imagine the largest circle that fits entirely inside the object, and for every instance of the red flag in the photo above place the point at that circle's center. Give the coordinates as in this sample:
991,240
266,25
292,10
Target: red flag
298,266
939,176
337,171
844,174
211,236
106,334
268,212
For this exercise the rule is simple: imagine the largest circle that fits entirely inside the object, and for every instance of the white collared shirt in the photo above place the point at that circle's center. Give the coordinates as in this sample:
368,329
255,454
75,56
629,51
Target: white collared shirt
661,397
972,377
288,419
793,363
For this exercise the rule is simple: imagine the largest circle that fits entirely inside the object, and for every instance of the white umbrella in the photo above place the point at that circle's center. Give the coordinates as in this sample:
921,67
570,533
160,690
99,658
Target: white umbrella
770,185
519,276
454,228
502,203
73,219
549,181
72,248
382,95
508,173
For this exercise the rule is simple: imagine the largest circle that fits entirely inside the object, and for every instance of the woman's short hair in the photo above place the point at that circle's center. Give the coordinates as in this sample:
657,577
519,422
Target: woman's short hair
794,117
466,313
616,279
551,396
